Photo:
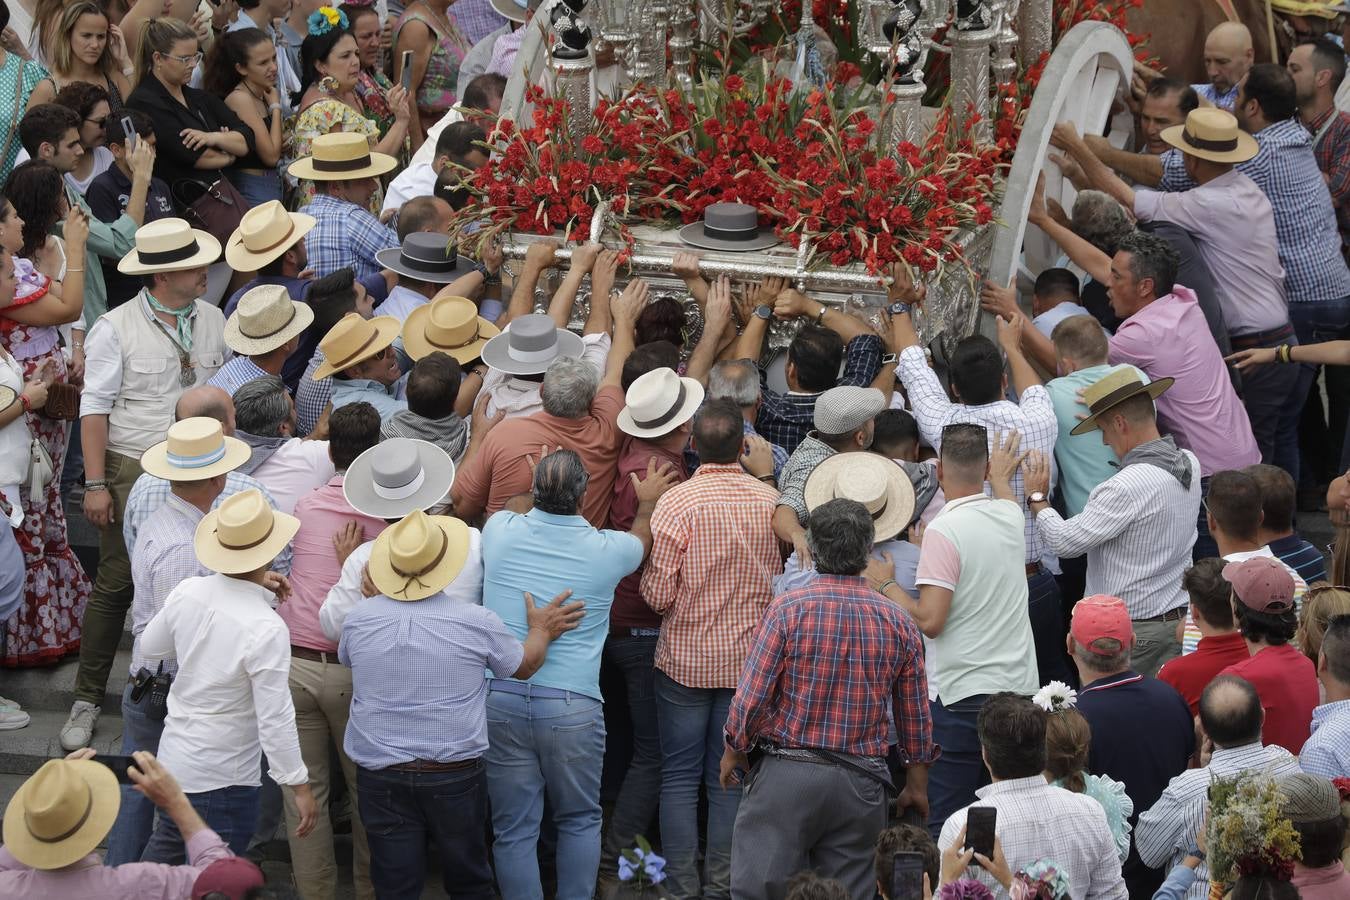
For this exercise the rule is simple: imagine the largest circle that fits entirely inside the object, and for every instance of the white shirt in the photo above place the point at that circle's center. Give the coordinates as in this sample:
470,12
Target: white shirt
521,398
343,597
401,302
296,468
231,701
1036,819
15,437
103,159
418,180
1165,831
1045,323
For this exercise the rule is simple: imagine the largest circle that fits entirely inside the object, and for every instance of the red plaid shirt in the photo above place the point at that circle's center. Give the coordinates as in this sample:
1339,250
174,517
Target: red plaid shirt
1332,150
830,662
710,574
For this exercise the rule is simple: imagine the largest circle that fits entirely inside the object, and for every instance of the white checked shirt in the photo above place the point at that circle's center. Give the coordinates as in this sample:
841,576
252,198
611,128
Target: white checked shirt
163,558
1137,530
1036,819
1034,419
1164,833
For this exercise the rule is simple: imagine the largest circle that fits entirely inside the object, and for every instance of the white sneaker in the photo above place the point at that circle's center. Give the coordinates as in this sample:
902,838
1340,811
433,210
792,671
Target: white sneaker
11,716
79,728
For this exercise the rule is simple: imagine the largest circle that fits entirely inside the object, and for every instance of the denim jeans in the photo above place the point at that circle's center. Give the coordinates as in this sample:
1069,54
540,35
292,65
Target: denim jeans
539,744
231,812
959,771
641,791
401,810
691,722
1314,323
136,817
271,810
1273,397
257,189
1047,626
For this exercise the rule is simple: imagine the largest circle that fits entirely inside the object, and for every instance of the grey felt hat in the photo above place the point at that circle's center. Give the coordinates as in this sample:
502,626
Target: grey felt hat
426,256
397,476
728,226
529,345
847,408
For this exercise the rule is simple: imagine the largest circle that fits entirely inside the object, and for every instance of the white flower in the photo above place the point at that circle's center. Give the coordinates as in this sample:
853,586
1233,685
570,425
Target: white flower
1055,696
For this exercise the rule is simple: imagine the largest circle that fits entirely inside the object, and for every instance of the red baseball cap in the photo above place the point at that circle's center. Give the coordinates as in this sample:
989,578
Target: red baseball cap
1262,583
232,877
1101,616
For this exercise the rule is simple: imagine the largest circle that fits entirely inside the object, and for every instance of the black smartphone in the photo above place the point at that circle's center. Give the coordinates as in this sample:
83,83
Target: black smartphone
119,766
406,76
129,130
907,876
980,829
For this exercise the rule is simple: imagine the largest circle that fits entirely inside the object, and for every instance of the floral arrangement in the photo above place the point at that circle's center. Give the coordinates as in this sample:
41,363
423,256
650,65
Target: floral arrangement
325,19
1248,833
1042,880
640,867
1055,697
964,889
1070,13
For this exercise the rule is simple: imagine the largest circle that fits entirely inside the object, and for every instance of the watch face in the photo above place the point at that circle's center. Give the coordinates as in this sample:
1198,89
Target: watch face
764,312
897,308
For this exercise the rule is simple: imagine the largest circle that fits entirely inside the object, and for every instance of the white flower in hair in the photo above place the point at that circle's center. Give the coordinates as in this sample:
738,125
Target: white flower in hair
1055,697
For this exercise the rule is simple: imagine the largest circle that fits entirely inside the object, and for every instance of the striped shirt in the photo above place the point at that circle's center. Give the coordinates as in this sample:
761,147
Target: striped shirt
1034,419
1166,831
235,374
710,574
1301,556
164,557
1137,530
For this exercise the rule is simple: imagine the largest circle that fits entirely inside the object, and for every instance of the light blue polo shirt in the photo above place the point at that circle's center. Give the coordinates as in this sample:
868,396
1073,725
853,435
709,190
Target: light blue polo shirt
1084,461
546,554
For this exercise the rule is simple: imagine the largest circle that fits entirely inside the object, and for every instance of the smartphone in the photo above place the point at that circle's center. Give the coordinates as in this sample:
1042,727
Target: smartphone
906,876
980,829
119,765
406,77
129,130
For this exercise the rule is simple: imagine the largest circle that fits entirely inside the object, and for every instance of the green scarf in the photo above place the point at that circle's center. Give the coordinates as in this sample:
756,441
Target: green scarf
184,317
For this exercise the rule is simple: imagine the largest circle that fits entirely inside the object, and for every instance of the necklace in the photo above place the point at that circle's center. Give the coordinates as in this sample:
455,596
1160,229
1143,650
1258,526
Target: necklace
262,104
444,22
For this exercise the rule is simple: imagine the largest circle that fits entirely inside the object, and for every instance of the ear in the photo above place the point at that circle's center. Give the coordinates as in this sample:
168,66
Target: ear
45,151
939,469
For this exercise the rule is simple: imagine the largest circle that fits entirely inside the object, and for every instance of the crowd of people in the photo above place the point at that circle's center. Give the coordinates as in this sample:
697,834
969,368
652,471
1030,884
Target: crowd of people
517,594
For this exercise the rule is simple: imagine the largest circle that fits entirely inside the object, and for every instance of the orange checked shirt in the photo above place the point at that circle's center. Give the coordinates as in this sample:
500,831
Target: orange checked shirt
710,574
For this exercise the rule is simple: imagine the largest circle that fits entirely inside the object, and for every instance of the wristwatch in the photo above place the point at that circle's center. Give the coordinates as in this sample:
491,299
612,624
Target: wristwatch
890,359
1036,497
764,311
898,307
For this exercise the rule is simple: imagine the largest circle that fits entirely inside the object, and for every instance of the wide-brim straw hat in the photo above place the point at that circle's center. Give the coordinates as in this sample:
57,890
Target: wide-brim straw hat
1112,389
658,402
530,344
397,476
8,397
418,556
61,814
426,256
448,325
265,319
264,234
876,482
243,534
728,226
195,449
1213,134
354,340
169,245
341,156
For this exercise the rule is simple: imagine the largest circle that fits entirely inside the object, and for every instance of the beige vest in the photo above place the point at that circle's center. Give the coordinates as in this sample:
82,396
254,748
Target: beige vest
143,410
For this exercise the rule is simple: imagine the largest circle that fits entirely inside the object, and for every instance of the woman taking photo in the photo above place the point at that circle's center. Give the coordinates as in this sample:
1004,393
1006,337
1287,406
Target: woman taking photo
47,625
373,85
198,138
241,69
438,46
330,69
86,48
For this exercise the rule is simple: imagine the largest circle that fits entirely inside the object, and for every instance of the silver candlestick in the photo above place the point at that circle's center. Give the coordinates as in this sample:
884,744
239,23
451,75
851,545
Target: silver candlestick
683,20
1005,42
975,30
1034,29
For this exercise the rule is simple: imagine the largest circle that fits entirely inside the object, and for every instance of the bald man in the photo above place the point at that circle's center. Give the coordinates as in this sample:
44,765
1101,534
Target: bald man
1228,56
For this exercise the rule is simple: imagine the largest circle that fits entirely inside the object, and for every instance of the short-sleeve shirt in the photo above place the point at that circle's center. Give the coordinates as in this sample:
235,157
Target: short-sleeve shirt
545,554
1286,680
500,469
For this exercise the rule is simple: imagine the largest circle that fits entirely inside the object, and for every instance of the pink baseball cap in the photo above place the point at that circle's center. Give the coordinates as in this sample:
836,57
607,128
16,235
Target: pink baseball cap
1101,616
232,877
1262,583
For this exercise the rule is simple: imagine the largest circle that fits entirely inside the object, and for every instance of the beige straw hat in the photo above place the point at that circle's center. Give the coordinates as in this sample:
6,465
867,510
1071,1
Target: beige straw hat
1213,134
354,340
876,482
60,814
1115,387
196,449
341,156
243,534
418,556
265,319
448,324
169,245
264,233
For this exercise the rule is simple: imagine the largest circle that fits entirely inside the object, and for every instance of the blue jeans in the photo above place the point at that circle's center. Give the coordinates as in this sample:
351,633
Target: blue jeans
1314,323
1047,626
1273,397
231,812
538,744
641,791
136,817
257,189
691,722
959,771
401,810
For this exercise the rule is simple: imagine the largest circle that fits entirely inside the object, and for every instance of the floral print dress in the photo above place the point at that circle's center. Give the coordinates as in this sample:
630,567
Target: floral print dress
437,92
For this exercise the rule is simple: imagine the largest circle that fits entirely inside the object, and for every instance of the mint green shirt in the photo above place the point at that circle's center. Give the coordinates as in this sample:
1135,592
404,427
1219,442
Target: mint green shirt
1084,461
109,240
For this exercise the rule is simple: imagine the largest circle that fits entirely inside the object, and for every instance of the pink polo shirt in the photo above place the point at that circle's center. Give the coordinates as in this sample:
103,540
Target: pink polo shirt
314,567
1170,338
89,877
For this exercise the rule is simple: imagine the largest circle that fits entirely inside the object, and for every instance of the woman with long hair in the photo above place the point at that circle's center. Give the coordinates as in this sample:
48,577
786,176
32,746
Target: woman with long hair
1322,602
438,46
19,77
86,47
91,103
56,589
241,69
373,86
330,69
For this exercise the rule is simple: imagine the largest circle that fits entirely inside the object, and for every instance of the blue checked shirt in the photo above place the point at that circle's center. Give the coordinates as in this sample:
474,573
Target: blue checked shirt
235,373
149,494
1305,220
784,419
311,396
477,19
1227,100
344,235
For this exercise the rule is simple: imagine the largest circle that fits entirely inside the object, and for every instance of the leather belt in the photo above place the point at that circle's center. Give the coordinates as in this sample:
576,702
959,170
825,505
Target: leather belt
620,632
1033,568
1171,615
430,765
318,656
